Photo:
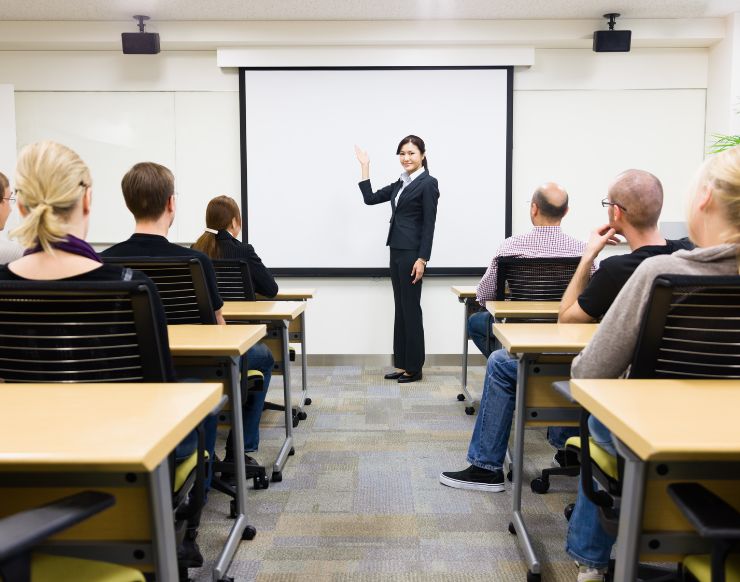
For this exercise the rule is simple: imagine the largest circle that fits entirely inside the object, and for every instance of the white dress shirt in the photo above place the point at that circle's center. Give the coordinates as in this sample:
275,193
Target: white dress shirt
407,178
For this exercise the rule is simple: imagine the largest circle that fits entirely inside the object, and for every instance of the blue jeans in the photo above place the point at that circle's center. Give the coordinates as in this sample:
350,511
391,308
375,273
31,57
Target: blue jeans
479,330
587,542
490,438
259,358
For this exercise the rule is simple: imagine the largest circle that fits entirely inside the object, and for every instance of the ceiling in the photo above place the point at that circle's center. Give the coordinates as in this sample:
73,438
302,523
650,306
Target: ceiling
184,10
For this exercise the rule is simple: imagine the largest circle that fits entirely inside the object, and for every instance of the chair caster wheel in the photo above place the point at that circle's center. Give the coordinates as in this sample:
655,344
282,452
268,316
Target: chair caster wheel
568,511
461,397
510,475
307,402
540,485
512,529
532,577
226,579
232,509
295,421
249,532
277,476
291,452
302,415
261,482
469,410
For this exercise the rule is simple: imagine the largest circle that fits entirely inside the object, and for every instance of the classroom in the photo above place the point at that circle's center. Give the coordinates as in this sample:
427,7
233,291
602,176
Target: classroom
282,403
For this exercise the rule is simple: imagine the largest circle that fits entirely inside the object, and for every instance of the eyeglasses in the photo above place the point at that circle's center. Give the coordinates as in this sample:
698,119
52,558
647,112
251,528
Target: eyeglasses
10,198
605,202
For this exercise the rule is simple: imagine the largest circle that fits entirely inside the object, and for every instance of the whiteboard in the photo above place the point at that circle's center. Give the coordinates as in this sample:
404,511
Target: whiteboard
302,174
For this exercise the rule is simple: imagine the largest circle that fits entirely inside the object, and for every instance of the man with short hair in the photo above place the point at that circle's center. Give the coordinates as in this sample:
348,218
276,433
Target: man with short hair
548,207
634,202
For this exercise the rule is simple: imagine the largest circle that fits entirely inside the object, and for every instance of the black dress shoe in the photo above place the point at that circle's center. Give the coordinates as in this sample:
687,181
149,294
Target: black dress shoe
404,379
393,376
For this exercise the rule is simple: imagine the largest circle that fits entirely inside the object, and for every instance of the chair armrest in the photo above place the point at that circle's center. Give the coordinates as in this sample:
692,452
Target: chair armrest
22,531
710,516
563,388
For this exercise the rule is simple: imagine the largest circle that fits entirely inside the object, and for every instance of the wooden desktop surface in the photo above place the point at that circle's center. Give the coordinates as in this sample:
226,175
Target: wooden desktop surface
213,340
668,419
523,308
464,291
519,338
263,310
98,427
291,294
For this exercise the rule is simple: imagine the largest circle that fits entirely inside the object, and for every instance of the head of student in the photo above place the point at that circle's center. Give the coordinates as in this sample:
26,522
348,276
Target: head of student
53,186
411,152
6,199
549,205
714,205
222,214
149,192
634,201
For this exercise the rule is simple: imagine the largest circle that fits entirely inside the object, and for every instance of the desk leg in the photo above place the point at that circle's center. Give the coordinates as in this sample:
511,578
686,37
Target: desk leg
304,365
165,550
239,530
465,394
517,522
282,457
630,517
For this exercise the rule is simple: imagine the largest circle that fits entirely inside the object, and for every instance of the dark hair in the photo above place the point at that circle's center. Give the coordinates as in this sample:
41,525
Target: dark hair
220,212
146,188
419,143
547,208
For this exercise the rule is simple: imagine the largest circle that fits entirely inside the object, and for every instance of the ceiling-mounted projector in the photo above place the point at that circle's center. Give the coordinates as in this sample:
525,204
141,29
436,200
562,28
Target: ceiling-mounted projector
612,41
140,43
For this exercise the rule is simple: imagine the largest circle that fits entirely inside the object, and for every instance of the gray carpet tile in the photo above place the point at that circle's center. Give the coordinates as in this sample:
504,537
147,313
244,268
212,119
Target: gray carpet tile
360,500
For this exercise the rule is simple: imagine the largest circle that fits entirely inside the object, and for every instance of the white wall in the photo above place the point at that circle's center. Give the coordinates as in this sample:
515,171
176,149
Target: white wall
367,330
723,95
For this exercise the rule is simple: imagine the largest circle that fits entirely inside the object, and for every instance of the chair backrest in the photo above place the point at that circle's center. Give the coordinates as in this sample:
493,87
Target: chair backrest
62,331
234,280
691,329
534,279
181,284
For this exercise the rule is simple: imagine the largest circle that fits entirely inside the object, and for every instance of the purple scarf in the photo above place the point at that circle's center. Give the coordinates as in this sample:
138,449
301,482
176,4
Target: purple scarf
73,245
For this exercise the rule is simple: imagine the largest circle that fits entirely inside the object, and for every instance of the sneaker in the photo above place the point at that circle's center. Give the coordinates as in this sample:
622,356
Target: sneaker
474,478
565,458
250,465
188,554
588,574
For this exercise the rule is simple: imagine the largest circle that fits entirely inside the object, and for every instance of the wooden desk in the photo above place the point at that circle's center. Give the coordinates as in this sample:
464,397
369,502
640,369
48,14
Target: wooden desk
277,316
121,448
291,294
667,431
545,351
512,310
465,295
213,351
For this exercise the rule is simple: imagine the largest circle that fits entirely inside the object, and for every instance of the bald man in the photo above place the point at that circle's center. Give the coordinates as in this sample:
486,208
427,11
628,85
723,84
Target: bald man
634,203
547,209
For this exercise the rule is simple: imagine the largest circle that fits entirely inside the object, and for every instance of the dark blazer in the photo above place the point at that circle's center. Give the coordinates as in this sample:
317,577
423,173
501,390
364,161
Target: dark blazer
413,217
232,248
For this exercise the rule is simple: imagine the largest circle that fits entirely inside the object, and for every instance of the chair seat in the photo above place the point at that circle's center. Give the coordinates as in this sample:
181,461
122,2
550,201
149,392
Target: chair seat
606,462
45,567
184,469
700,567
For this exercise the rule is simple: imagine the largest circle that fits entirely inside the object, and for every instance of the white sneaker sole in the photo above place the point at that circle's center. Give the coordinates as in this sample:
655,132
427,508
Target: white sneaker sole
457,484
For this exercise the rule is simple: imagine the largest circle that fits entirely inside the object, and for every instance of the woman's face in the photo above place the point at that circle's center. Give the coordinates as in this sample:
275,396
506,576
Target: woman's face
410,157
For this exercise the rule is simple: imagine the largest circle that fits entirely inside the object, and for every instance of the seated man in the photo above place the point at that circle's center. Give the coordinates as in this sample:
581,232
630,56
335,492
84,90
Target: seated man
149,189
547,209
634,203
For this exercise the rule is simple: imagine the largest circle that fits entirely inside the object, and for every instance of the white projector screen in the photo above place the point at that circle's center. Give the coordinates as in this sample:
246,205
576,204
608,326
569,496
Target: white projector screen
303,208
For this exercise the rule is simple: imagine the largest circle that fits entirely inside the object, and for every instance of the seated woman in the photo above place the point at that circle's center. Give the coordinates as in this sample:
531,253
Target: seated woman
714,226
223,225
54,190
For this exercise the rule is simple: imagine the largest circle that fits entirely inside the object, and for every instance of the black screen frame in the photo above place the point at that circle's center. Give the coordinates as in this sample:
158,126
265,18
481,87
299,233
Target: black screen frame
368,271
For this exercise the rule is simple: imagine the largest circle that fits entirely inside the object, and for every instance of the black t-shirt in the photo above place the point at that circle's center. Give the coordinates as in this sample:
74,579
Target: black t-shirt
231,248
155,246
612,274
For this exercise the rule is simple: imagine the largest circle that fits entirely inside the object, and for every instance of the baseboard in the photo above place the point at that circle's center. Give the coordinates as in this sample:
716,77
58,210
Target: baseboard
386,360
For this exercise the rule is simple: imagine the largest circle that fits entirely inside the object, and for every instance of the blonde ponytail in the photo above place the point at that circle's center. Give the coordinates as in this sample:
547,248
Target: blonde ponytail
50,181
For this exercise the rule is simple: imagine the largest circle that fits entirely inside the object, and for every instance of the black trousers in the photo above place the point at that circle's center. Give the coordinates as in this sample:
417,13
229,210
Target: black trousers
408,327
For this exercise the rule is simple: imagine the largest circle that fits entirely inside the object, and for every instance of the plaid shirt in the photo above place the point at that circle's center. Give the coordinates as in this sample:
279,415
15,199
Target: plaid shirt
541,241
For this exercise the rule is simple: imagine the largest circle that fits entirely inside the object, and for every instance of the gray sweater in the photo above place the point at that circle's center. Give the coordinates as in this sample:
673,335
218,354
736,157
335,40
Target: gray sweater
609,353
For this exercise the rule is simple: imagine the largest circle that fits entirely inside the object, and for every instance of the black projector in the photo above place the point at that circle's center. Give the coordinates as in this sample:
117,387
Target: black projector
140,43
611,41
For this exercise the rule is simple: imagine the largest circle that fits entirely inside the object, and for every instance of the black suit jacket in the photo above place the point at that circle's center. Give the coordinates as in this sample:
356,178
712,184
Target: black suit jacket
232,248
412,216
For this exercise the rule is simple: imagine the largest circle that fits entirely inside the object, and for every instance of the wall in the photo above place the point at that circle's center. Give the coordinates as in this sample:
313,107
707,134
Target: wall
354,316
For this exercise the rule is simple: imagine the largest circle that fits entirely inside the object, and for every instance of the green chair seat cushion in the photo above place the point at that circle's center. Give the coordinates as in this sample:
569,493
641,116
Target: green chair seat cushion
606,462
45,567
184,469
701,567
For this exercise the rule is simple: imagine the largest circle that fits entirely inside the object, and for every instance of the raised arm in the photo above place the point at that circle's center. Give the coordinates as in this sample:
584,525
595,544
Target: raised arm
370,197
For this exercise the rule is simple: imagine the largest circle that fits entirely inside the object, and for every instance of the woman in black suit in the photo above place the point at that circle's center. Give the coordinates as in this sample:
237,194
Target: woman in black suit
413,201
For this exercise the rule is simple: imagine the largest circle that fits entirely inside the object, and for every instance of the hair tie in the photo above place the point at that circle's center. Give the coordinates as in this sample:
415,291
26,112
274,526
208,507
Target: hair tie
211,230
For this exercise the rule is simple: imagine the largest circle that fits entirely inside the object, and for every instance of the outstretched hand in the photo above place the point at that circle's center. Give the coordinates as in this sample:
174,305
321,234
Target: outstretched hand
417,271
362,156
